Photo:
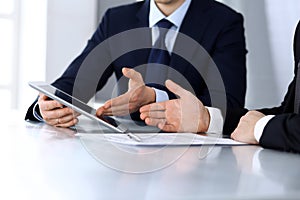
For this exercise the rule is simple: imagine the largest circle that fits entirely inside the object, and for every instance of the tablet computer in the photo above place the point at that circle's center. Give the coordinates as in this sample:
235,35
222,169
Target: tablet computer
81,107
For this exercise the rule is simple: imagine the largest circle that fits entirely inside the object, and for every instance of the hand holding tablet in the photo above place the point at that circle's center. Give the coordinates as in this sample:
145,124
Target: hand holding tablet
80,107
55,113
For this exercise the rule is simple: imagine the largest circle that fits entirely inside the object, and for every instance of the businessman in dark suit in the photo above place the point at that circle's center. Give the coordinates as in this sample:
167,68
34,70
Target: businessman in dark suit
276,128
217,28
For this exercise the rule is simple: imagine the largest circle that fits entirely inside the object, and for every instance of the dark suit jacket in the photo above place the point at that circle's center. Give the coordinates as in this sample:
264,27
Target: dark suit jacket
216,27
283,131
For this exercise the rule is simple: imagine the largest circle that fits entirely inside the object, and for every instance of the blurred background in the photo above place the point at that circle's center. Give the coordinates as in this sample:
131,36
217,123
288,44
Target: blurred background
39,39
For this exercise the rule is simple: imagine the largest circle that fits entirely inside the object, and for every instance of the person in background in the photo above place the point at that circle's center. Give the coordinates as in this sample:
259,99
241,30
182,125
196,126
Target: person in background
276,128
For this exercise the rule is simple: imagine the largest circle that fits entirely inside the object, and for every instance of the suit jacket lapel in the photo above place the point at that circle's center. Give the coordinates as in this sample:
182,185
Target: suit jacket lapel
193,26
143,15
143,21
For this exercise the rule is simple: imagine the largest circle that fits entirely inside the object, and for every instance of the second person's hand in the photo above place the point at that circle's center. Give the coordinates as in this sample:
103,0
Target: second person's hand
186,114
244,132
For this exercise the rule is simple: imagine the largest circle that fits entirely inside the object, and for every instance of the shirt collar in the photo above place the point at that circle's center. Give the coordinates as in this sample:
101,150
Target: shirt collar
176,17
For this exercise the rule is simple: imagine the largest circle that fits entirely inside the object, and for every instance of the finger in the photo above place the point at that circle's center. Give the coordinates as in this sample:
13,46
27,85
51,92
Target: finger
57,113
153,107
117,110
154,115
43,97
167,127
48,104
235,134
76,114
63,121
68,124
175,88
154,122
107,104
67,119
118,101
132,74
115,113
52,122
100,111
106,109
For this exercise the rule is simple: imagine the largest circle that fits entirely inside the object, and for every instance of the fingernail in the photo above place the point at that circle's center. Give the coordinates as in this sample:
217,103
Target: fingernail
160,126
147,120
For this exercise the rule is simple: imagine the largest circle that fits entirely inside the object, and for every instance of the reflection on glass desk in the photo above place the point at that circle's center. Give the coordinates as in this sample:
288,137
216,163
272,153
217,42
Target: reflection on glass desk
43,162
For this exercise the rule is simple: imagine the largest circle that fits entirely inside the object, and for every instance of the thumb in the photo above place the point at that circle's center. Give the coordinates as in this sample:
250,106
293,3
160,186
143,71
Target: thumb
42,96
132,74
175,88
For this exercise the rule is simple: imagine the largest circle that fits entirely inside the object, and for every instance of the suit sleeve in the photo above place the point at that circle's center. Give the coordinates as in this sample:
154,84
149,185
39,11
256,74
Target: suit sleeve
230,58
282,133
66,81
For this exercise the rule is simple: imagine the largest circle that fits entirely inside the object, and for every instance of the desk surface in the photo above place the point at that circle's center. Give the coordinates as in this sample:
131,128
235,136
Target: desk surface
42,162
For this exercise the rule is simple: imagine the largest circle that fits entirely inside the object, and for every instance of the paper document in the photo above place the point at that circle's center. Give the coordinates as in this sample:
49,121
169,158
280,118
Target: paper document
161,139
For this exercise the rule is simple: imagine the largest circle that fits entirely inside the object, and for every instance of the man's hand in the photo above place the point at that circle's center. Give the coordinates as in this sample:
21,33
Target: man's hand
138,94
55,113
186,114
245,129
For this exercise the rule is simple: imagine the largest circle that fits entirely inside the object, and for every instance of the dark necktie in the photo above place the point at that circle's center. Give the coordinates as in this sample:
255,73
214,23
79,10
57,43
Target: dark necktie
159,55
297,91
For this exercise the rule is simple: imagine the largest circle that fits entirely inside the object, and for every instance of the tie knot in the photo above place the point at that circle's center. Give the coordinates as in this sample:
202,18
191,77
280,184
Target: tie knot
164,24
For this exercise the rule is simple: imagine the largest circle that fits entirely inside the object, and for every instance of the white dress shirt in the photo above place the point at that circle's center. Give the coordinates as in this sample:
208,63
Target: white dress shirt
176,18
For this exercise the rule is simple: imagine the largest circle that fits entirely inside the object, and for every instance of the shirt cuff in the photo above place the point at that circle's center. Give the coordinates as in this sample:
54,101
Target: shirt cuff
216,120
36,113
260,125
161,95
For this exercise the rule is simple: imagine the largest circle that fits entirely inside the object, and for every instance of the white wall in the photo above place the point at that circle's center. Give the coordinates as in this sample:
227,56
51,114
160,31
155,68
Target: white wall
70,24
270,25
32,50
103,5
